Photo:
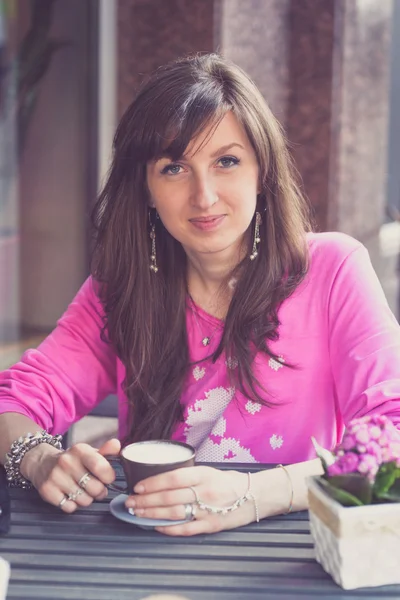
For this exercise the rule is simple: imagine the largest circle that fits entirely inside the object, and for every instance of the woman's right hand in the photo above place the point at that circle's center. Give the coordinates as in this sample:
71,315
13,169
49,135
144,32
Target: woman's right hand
56,474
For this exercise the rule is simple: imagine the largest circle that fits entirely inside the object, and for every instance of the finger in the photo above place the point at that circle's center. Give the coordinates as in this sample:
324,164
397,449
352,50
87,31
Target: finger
179,478
190,528
112,446
70,463
67,485
67,506
205,523
51,492
102,495
173,513
161,499
94,462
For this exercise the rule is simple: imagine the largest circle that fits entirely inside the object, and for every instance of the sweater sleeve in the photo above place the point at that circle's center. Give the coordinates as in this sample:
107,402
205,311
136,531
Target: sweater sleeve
72,370
364,342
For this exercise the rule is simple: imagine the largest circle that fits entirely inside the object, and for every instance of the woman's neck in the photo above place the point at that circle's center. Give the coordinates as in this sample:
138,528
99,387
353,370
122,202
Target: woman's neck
208,284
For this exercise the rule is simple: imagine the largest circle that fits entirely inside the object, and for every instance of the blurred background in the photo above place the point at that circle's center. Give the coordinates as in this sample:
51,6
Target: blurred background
330,70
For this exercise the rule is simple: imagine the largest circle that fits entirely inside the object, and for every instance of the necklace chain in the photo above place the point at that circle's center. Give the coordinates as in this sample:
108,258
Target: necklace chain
207,339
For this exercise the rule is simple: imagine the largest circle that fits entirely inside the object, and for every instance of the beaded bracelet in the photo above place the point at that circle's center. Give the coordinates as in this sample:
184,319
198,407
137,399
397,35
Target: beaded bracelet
223,511
291,489
18,450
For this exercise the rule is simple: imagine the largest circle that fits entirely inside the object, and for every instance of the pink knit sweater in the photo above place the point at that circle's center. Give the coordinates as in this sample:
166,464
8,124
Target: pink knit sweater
336,328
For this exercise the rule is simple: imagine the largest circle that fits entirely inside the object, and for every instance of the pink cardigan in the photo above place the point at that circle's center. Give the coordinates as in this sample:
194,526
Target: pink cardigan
336,328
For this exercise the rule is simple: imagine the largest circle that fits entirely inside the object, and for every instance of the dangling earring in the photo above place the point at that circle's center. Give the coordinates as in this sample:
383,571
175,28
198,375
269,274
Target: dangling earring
153,256
257,238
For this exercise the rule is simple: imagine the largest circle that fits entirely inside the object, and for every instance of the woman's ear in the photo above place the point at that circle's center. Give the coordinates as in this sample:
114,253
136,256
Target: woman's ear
150,201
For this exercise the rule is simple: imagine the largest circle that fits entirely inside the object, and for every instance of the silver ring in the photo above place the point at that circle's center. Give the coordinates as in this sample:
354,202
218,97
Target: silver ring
74,496
63,501
195,494
84,480
189,512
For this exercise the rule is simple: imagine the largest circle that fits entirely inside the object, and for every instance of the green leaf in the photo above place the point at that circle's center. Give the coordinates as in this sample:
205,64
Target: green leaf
344,498
326,457
393,494
355,484
386,477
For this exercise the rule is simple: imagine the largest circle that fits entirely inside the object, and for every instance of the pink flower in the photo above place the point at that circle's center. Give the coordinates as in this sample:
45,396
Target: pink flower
368,466
374,449
387,455
396,449
334,469
362,436
374,432
384,439
367,443
349,462
349,442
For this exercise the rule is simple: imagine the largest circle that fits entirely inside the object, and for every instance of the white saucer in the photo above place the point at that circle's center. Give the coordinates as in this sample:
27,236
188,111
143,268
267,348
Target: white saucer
119,510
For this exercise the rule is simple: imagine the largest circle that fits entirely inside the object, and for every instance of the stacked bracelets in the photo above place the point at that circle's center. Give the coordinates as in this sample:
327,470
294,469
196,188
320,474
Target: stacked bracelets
18,450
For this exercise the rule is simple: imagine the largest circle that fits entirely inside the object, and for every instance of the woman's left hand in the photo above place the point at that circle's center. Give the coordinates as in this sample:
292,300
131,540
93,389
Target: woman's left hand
165,496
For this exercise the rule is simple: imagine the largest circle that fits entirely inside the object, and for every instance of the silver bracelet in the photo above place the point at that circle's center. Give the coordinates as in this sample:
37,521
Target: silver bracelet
227,509
18,450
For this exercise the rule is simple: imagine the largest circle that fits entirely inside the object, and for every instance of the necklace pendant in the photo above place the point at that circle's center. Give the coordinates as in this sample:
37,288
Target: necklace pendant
205,341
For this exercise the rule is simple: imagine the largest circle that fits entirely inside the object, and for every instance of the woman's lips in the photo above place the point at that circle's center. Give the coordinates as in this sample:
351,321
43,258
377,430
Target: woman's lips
207,223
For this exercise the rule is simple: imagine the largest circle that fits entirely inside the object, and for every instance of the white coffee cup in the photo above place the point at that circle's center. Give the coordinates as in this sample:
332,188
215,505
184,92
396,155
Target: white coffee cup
4,577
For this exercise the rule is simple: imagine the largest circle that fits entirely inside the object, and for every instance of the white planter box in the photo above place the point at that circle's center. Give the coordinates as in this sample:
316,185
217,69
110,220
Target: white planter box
358,546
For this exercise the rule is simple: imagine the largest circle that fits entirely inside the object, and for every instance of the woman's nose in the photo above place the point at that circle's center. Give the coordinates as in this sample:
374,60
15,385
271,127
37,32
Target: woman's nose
204,195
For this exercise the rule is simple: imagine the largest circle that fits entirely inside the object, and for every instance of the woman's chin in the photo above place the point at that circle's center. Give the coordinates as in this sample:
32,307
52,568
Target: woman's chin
218,248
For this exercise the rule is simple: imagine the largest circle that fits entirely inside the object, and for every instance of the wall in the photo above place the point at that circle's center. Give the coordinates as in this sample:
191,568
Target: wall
323,66
53,180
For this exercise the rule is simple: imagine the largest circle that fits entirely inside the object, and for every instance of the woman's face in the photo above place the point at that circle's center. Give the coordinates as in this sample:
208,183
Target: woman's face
207,200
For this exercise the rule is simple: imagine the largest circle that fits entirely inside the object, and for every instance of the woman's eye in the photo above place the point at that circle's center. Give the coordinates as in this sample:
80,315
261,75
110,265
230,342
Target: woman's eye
228,161
172,169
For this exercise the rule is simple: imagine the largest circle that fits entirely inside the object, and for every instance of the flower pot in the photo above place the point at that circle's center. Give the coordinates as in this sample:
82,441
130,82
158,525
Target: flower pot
358,546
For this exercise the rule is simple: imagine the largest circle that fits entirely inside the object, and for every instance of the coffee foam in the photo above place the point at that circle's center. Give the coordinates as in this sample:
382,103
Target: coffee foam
157,453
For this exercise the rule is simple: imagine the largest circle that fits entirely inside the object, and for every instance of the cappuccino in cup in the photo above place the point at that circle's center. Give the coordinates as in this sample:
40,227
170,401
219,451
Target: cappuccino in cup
157,453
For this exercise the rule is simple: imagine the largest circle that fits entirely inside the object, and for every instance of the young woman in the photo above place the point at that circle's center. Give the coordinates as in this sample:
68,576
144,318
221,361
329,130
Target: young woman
212,311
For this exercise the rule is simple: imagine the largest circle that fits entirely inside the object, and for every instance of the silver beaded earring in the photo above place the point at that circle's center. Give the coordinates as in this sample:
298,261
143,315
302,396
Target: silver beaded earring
257,239
153,256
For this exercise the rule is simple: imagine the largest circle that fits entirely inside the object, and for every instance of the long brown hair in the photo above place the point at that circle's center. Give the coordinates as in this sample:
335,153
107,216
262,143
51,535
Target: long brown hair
145,311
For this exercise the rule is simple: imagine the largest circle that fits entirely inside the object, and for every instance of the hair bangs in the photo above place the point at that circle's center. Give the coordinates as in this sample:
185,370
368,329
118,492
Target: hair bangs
202,109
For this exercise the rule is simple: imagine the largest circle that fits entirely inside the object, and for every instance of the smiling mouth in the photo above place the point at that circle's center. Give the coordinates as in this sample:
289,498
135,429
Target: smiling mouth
206,219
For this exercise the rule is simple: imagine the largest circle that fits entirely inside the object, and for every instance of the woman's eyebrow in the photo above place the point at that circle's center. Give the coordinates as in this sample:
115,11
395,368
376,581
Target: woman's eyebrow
218,152
224,149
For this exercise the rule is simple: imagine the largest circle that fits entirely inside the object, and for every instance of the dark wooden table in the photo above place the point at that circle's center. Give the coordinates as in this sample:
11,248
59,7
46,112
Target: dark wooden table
90,555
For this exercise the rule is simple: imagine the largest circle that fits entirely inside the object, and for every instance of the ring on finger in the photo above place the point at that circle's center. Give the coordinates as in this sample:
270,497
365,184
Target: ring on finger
75,494
84,480
190,511
63,501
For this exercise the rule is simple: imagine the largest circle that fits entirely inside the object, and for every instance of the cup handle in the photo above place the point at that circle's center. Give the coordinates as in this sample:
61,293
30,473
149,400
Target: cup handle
111,486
